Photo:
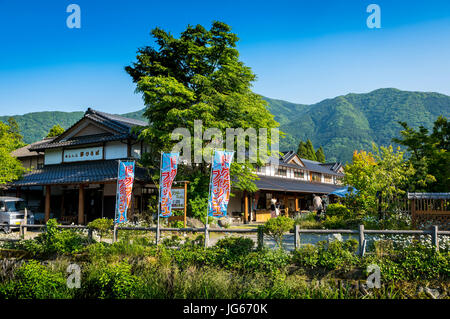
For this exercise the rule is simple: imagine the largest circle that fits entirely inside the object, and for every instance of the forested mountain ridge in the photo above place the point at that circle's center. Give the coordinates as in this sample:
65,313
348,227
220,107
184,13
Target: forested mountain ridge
340,125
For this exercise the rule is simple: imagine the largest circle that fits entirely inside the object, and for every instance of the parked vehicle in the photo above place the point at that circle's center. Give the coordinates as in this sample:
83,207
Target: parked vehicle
12,213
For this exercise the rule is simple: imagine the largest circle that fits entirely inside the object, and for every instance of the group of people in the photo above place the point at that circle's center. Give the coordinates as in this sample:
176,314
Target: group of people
318,203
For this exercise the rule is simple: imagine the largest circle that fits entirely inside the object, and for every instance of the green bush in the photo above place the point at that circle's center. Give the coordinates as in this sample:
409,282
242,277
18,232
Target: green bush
330,255
307,221
276,227
102,225
236,246
54,240
110,281
34,281
338,210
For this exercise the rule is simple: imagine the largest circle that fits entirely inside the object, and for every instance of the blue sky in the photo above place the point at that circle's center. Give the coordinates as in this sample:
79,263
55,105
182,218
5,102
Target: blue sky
301,51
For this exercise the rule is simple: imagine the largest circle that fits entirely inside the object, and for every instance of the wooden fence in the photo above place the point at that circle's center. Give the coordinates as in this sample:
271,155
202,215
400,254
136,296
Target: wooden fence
360,232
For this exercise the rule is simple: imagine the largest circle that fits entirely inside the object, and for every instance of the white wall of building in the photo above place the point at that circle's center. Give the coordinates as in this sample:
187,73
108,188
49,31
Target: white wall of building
53,157
115,150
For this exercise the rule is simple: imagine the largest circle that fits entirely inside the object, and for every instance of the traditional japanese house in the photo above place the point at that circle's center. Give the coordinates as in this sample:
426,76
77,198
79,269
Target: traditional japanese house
292,183
78,171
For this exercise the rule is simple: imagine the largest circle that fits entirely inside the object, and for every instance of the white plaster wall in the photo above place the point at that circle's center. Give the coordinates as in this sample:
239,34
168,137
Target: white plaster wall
115,150
53,156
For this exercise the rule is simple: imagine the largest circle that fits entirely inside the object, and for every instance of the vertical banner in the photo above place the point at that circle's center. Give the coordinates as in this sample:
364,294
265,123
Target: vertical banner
220,186
125,178
169,164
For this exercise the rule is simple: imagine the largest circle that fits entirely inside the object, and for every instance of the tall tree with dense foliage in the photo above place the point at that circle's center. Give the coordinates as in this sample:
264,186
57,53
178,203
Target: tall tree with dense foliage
10,167
197,76
320,155
385,173
429,154
55,131
306,150
15,133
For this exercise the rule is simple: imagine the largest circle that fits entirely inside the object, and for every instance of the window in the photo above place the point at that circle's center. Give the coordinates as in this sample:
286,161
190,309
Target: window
282,172
299,174
13,206
328,178
315,177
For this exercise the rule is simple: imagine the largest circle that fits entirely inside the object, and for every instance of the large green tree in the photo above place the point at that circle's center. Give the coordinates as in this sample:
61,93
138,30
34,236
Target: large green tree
306,150
10,167
197,76
55,131
429,154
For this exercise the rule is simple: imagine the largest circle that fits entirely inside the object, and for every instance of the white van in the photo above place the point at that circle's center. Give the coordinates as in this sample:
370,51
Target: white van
12,213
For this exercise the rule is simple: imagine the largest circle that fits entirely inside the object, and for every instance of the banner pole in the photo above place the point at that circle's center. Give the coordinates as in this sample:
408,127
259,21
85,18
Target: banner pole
209,191
117,189
159,200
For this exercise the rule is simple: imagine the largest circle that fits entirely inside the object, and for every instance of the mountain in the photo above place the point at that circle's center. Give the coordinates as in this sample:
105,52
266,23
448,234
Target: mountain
355,121
35,126
340,125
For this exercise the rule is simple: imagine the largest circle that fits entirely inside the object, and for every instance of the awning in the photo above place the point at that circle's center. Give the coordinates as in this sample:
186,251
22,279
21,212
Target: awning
341,192
292,185
77,173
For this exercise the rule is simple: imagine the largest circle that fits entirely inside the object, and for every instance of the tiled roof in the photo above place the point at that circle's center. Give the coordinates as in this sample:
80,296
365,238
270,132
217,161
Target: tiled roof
292,185
320,167
88,139
75,173
121,125
325,168
25,151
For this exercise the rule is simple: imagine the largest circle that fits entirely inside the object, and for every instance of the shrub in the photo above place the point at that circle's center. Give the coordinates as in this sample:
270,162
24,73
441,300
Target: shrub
307,221
35,281
338,210
334,222
110,281
102,225
54,240
276,227
330,255
236,246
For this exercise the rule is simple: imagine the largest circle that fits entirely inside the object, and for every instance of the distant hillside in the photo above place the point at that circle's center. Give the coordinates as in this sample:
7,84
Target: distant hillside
340,125
354,121
35,126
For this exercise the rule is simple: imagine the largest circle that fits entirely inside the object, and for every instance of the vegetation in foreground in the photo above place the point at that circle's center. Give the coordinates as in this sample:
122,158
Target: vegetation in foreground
233,268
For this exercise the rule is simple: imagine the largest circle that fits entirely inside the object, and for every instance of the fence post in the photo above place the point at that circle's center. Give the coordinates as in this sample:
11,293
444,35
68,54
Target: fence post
25,221
22,235
206,235
435,238
90,234
361,240
297,237
157,235
115,233
260,237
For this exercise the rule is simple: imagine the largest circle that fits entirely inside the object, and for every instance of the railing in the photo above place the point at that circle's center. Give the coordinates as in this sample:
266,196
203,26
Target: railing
361,232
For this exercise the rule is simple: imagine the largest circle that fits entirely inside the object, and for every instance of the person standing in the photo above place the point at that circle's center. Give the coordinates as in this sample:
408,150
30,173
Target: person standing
273,208
317,203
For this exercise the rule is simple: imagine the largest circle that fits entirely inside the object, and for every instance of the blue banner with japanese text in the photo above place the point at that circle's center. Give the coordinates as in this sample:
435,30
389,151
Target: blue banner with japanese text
125,179
169,164
220,185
